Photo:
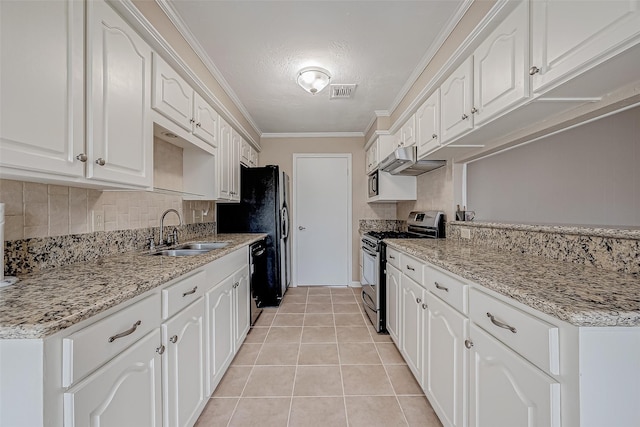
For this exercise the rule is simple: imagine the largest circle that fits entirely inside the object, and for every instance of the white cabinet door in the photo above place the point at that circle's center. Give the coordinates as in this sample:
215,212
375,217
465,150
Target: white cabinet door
411,324
241,291
172,96
225,159
445,376
220,314
205,119
456,102
126,392
393,302
428,124
505,390
119,126
42,86
570,36
234,167
501,67
184,365
253,159
371,157
245,153
408,132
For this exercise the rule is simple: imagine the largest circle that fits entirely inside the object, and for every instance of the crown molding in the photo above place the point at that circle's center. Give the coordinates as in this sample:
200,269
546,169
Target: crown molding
459,54
373,137
158,42
313,135
433,49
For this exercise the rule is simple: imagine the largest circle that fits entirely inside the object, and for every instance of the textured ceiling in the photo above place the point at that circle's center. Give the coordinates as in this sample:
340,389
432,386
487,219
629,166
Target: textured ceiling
259,46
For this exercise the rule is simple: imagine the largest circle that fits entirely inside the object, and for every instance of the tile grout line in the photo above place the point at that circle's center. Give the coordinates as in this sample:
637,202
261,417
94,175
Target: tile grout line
295,373
344,395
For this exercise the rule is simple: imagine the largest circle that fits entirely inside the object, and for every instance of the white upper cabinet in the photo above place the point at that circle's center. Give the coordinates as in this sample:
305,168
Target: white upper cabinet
229,158
174,98
500,67
569,37
428,124
408,132
119,127
234,165
372,156
456,102
41,82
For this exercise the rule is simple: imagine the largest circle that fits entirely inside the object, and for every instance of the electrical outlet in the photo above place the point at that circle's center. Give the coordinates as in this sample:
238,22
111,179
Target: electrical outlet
465,233
97,221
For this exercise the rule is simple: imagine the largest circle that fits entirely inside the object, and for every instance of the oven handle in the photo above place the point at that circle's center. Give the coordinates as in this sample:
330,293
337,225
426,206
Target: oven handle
368,251
365,301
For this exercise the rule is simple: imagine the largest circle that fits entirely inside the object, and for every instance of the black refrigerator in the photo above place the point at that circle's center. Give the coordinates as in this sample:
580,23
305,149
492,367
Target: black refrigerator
263,208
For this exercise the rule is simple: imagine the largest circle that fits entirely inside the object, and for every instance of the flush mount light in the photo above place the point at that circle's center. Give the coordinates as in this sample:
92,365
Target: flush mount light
313,79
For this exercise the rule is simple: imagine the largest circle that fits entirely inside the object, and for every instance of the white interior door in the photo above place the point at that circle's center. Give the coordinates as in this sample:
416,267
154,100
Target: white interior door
322,219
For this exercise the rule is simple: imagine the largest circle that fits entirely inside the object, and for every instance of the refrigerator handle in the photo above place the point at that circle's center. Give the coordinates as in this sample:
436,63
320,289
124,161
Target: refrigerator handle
285,222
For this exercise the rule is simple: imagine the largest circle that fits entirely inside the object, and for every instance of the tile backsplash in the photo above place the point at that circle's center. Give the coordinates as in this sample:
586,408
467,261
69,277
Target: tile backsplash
41,210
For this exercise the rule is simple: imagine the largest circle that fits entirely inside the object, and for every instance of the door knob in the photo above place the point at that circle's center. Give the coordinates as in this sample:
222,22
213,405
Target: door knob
302,228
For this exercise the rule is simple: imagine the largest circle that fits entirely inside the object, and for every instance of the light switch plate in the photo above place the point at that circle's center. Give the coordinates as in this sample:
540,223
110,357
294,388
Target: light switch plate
465,233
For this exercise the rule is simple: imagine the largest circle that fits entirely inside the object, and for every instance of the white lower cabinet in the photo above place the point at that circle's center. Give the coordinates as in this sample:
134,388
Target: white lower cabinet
241,302
393,302
126,392
412,320
220,327
446,360
184,367
505,390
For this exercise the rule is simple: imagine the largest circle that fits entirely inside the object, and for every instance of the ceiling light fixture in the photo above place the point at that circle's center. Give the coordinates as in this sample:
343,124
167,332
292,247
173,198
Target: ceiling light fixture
313,79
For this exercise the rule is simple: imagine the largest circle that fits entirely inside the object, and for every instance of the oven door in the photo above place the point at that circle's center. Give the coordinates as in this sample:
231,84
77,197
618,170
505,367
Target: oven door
371,286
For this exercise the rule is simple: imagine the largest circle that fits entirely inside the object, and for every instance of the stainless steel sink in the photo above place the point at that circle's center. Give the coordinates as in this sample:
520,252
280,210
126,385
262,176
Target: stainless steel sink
181,252
204,246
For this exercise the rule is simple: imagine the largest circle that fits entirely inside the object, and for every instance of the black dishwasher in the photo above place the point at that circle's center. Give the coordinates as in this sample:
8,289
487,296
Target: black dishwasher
259,278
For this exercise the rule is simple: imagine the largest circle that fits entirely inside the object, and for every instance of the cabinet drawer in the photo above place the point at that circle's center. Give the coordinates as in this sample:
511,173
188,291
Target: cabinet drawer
87,349
447,288
177,296
411,267
534,339
393,257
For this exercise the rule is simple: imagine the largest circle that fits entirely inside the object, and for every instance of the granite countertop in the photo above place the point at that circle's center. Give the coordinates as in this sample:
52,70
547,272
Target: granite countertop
48,301
580,295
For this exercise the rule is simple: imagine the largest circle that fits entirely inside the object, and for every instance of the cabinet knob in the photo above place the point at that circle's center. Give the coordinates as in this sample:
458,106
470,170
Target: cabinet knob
418,300
198,125
174,339
474,110
465,117
82,157
192,121
468,343
534,70
160,349
434,136
101,162
424,306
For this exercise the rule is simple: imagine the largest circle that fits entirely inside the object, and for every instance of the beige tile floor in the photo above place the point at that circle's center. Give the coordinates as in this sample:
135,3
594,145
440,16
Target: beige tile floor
316,361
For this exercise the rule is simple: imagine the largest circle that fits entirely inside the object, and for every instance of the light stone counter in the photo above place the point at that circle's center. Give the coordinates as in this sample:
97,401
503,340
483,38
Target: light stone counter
45,302
578,294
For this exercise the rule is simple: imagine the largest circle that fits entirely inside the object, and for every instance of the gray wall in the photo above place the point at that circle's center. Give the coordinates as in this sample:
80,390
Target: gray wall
589,175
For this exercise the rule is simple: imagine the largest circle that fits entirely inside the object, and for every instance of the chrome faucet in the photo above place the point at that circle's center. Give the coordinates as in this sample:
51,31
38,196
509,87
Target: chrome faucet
162,242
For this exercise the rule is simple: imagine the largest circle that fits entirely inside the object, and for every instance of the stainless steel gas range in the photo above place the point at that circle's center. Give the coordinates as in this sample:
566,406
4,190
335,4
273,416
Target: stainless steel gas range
420,225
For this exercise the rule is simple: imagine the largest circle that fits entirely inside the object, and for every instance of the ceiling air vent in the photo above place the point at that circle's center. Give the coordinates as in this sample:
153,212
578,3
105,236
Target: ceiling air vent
342,91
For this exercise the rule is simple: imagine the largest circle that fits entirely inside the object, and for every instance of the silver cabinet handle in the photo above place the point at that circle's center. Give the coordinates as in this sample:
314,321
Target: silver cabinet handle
442,288
465,117
418,300
174,339
534,70
468,343
101,161
500,324
82,157
302,228
160,349
410,268
424,306
127,332
474,110
434,136
192,291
